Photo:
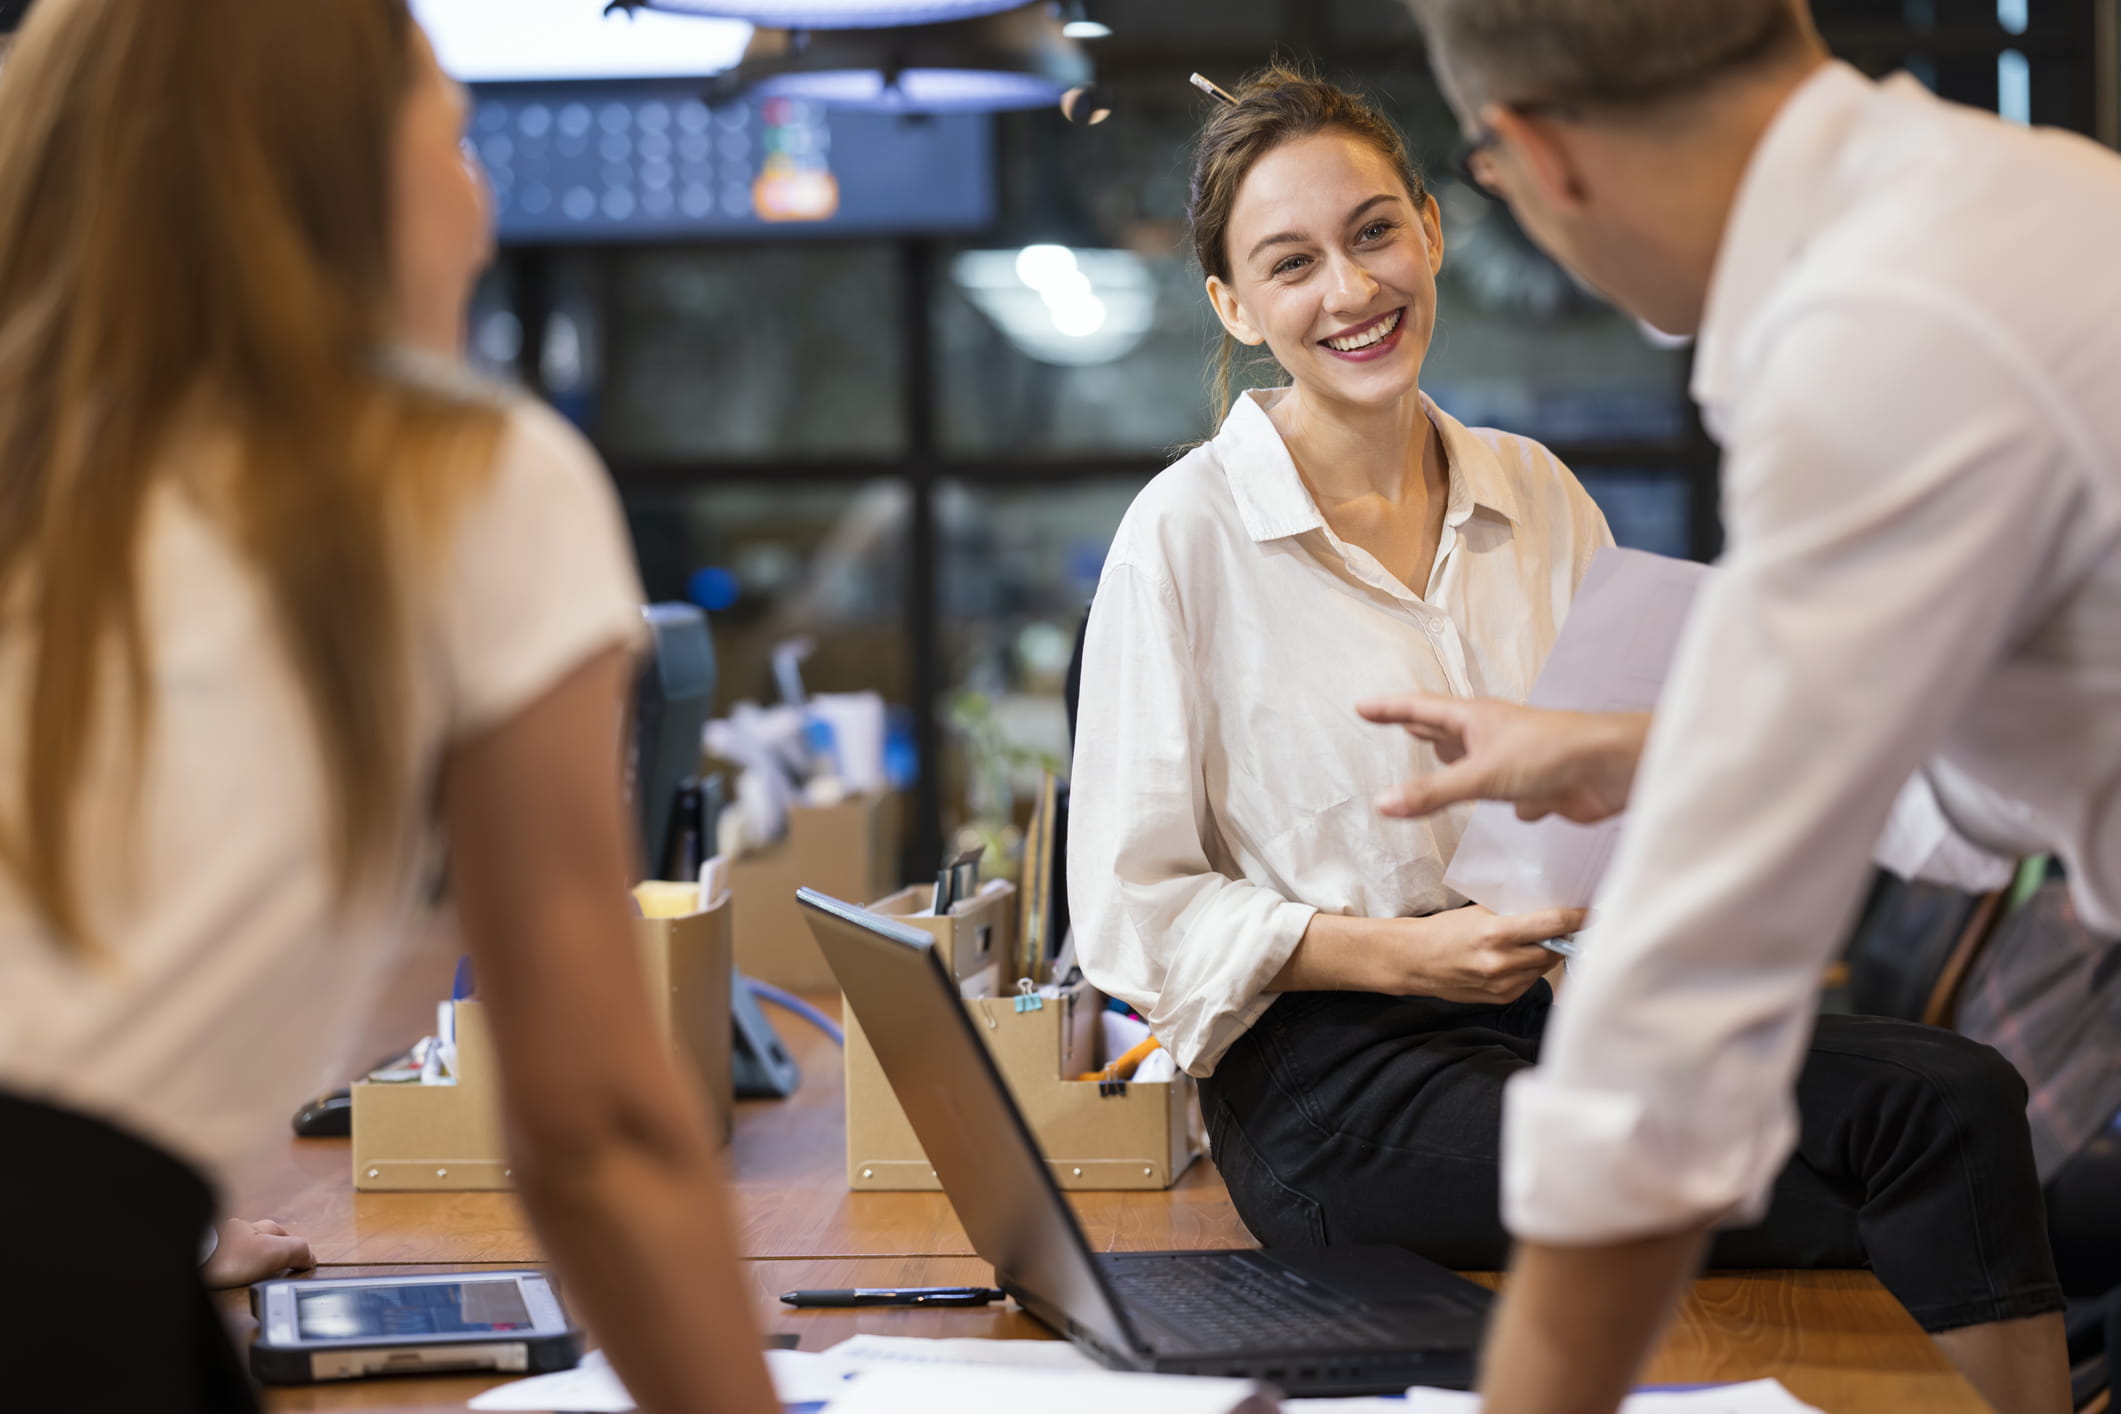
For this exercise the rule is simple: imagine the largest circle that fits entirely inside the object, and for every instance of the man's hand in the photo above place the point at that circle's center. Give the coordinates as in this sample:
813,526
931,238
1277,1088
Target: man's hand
251,1252
1579,765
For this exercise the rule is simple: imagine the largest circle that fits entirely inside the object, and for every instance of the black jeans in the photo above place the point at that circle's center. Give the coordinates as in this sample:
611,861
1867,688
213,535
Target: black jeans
102,1309
1353,1118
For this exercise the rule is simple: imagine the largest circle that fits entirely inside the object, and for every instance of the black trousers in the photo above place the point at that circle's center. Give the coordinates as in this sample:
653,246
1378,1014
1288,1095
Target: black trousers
101,1306
1353,1118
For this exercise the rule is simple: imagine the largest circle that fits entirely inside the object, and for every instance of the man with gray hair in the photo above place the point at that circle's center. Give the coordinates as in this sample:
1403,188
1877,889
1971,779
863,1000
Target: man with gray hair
1909,325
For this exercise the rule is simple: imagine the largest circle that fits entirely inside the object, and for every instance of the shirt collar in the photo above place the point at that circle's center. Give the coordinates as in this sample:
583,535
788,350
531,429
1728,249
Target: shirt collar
1274,503
1785,196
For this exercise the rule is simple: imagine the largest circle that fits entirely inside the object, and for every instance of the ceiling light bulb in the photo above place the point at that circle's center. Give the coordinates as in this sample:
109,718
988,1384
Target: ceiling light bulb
1045,267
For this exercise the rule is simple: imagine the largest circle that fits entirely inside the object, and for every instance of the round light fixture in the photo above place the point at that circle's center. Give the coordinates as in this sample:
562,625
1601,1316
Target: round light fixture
829,14
1061,305
1077,21
1016,58
912,90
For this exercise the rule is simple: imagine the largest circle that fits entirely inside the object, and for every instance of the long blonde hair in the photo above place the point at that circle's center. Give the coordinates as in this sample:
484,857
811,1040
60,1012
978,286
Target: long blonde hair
195,218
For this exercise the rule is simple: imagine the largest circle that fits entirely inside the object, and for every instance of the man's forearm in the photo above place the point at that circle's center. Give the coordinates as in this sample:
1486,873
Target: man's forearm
1577,1324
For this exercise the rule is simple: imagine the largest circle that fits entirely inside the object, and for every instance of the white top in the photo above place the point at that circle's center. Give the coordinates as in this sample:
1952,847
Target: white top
1911,354
238,987
1223,786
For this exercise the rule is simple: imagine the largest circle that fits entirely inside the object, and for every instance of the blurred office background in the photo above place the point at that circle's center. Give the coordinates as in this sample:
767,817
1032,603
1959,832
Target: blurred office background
890,379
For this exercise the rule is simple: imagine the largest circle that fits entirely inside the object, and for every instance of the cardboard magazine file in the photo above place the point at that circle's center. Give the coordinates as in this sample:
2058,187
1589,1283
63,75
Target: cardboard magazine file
448,1137
977,938
1094,1136
849,851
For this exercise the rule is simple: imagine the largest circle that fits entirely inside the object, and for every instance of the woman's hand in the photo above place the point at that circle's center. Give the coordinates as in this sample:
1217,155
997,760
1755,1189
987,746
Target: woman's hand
1471,955
1464,955
249,1252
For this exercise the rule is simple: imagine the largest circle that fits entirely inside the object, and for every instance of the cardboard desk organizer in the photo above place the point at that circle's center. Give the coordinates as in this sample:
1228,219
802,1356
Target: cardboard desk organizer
448,1136
1094,1135
849,851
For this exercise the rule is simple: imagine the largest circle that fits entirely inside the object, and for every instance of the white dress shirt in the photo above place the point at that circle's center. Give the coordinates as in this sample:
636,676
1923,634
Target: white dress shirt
1912,356
1223,786
237,981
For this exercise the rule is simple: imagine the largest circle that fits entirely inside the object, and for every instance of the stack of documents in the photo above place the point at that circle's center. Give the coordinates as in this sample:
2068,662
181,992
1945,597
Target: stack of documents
1611,656
872,1374
1754,1397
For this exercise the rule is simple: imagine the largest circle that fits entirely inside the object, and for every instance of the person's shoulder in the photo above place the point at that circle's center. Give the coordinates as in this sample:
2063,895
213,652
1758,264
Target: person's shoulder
1546,490
1184,509
1528,463
537,442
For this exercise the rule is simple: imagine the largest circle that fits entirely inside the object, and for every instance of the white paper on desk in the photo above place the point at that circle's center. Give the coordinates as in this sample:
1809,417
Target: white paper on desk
967,1389
865,1352
1611,656
1755,1397
590,1387
593,1388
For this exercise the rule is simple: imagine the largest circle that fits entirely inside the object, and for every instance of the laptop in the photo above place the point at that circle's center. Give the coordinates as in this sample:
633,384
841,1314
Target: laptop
1307,1320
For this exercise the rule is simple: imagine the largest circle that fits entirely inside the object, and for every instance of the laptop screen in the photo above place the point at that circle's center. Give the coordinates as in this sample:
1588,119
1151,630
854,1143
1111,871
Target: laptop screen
975,1138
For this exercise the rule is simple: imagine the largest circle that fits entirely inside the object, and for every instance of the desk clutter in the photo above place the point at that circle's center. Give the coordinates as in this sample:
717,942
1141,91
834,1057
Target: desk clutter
872,1374
1100,1126
439,1127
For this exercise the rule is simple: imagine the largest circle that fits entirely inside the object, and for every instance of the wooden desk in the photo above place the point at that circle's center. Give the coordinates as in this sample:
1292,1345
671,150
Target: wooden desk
1837,1339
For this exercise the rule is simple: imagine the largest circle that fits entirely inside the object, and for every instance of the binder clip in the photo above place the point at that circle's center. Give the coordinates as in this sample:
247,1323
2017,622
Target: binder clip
1110,1086
1027,997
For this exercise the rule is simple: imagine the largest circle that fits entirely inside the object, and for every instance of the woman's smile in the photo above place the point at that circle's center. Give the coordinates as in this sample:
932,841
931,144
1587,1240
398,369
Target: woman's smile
1369,341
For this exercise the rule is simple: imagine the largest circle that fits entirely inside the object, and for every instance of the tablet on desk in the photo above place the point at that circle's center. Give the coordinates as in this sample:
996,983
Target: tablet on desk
345,1328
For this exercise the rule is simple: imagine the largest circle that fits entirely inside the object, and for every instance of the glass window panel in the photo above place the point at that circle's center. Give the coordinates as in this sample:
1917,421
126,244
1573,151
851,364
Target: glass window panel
1223,23
1373,19
1519,345
823,562
1019,566
1647,510
493,329
754,352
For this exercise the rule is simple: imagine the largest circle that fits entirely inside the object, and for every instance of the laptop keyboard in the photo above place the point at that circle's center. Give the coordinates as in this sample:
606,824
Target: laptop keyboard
1227,1302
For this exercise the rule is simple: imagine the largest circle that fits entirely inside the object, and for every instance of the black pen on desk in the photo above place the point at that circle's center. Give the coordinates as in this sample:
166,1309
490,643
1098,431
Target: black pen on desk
898,1296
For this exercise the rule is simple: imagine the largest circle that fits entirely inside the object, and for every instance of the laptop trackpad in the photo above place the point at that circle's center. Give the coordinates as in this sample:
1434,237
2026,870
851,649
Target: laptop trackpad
1384,1277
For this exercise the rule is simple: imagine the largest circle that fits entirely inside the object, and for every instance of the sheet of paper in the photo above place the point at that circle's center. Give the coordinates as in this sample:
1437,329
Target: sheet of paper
1611,656
970,1389
592,1388
1756,1397
873,1351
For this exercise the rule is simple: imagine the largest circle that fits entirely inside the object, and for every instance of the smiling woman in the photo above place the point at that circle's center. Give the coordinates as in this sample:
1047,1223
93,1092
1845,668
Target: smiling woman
1354,1023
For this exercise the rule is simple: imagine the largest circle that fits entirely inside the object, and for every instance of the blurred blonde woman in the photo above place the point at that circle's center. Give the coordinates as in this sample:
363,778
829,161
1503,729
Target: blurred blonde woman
287,599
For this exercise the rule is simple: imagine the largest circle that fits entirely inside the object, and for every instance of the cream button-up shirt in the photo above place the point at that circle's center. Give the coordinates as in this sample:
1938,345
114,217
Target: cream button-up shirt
1912,356
1223,785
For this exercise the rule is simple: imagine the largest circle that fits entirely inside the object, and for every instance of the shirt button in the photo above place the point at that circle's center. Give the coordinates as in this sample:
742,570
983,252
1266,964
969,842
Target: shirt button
1435,628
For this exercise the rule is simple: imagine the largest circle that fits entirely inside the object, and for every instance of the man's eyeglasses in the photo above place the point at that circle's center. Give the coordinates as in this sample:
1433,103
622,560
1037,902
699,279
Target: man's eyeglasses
1464,167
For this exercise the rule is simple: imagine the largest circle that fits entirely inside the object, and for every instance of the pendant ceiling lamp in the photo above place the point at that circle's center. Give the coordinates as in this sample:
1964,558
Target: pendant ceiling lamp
829,14
1012,58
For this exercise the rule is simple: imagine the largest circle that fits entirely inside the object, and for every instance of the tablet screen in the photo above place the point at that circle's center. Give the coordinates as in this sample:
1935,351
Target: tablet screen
382,1312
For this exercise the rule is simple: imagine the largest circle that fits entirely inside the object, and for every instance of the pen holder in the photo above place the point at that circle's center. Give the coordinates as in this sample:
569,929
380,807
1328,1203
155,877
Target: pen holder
1093,1135
448,1136
977,937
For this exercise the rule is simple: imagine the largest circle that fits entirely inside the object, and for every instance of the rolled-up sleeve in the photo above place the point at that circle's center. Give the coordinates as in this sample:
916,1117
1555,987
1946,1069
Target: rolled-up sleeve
1156,924
1891,538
